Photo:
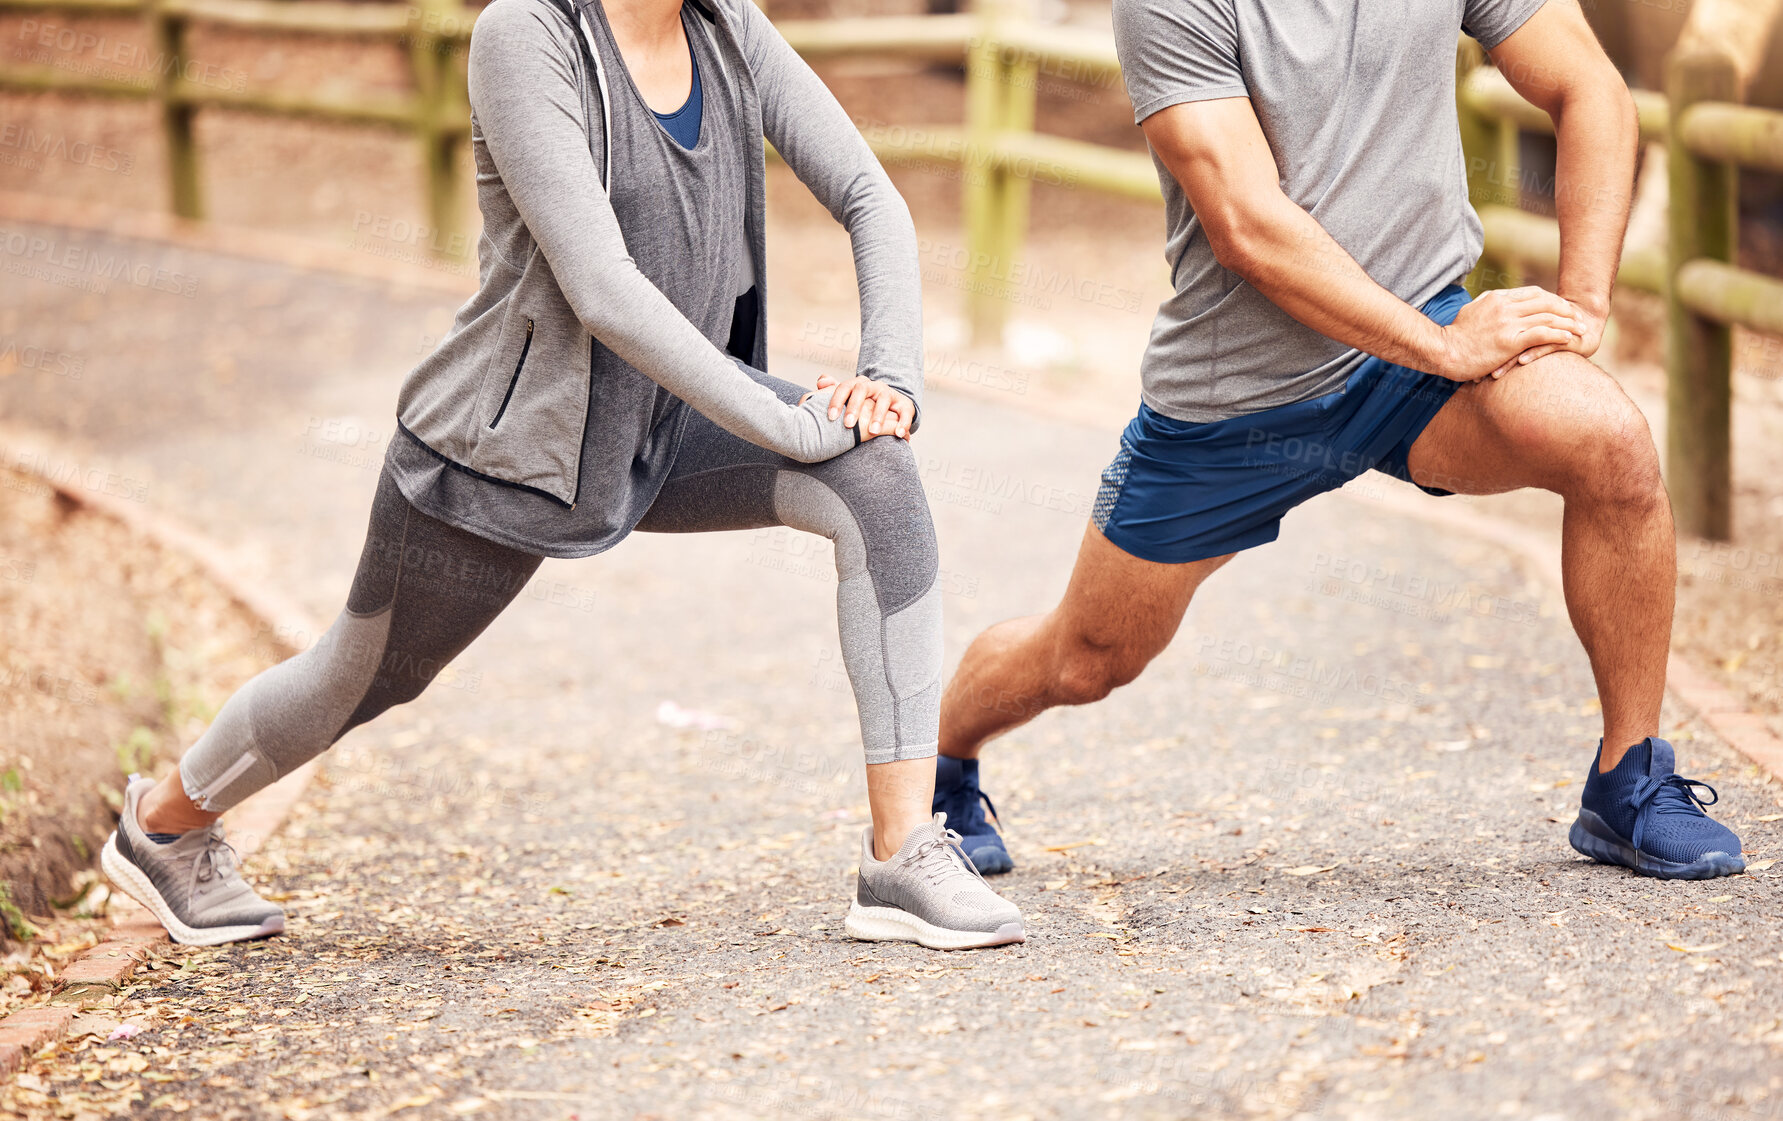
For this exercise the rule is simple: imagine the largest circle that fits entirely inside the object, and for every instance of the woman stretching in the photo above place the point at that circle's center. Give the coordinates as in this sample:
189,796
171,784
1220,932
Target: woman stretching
607,377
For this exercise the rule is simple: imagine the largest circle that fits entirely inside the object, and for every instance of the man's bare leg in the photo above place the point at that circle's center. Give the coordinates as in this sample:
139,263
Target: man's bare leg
1562,424
1119,612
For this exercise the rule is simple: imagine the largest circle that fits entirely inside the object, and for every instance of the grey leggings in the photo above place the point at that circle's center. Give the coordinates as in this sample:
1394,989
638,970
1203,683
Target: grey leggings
425,589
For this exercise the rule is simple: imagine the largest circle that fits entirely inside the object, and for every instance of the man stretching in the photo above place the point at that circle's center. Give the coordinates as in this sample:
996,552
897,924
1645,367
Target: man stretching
1319,225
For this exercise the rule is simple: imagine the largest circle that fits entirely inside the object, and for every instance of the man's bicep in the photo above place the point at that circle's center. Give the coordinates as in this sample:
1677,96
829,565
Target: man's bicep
1548,52
1217,151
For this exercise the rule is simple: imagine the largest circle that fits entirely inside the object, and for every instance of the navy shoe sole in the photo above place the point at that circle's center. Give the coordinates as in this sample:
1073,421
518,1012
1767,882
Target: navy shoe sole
990,860
1593,837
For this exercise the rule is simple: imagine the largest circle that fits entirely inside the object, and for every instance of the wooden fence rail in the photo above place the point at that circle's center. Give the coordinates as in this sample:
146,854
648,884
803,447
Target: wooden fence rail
998,156
435,113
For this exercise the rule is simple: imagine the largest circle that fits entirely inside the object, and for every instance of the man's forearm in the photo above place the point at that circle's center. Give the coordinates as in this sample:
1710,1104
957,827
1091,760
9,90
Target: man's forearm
1285,254
1217,151
1597,135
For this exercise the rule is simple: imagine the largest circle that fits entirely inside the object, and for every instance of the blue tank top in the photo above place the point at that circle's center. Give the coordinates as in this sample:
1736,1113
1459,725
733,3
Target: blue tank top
684,123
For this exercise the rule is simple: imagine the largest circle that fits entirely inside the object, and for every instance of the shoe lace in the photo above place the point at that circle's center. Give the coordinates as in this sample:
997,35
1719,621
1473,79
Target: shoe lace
940,858
1672,794
991,806
967,806
216,860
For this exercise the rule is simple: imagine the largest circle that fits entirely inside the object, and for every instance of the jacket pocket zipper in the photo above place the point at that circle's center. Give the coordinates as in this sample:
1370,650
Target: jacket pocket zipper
515,380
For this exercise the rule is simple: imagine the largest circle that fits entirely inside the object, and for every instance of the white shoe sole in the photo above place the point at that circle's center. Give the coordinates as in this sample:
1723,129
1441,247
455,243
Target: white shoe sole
132,882
890,924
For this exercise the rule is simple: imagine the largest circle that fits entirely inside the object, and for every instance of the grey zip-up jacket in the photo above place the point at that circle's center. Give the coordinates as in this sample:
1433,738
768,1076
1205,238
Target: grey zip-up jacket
506,394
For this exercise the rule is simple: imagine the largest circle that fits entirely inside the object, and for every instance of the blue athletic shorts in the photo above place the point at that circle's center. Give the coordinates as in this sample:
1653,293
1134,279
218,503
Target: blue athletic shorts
1180,491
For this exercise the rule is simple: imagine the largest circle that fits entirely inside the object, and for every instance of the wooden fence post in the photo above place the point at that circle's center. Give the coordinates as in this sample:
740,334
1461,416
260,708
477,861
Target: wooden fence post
1507,185
980,194
432,58
1021,77
1702,222
1000,94
167,30
1477,149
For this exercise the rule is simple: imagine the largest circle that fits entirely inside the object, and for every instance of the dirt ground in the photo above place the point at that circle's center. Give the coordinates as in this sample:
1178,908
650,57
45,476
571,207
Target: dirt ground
1077,323
1313,863
115,655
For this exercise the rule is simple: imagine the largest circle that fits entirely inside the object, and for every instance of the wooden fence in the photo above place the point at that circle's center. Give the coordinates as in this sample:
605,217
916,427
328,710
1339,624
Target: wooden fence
999,155
435,112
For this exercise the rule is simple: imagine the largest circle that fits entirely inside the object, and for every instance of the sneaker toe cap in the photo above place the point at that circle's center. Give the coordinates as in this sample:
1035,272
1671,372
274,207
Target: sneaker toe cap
988,855
1704,849
252,912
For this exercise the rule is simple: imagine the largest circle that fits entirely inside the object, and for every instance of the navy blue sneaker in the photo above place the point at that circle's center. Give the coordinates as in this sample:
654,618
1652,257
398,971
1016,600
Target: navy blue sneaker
957,795
1644,816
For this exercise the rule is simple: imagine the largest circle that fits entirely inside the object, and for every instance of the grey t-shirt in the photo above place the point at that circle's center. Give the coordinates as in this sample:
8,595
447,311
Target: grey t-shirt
1357,101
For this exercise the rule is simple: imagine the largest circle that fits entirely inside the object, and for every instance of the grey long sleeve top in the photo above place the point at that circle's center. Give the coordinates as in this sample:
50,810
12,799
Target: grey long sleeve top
509,392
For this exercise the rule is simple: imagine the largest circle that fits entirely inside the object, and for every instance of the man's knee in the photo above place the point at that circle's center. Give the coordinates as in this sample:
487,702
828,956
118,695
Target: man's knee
1088,673
1613,460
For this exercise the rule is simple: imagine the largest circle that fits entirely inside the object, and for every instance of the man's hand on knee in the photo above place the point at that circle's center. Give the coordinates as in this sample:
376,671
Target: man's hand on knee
1584,345
1492,333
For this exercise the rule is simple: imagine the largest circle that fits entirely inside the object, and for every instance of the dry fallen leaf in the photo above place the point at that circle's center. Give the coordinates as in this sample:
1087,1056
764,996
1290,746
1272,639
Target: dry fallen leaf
1760,866
1695,949
1073,845
1308,870
1769,817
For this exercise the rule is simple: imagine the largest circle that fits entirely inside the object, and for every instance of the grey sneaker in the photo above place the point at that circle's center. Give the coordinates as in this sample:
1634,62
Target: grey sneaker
191,884
929,893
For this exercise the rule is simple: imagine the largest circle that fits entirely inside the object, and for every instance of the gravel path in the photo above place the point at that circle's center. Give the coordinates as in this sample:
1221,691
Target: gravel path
1313,863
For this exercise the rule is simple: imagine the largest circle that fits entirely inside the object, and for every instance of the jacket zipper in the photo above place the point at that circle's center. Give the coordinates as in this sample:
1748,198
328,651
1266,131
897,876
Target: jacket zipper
515,380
